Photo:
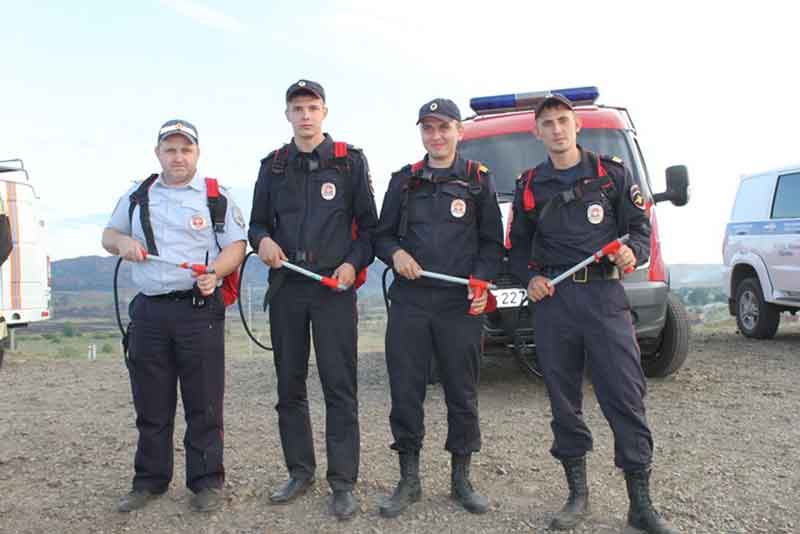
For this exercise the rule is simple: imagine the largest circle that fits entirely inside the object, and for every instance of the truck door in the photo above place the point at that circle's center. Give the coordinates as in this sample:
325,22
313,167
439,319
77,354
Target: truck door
784,249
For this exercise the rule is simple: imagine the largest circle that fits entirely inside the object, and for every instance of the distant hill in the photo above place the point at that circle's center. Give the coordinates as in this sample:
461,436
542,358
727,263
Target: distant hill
89,273
696,275
96,273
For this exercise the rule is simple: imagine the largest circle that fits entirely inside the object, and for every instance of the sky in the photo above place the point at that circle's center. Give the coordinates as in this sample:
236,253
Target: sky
84,87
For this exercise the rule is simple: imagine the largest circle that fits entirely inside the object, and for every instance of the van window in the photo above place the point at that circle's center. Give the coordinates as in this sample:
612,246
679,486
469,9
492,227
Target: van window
753,198
508,155
787,197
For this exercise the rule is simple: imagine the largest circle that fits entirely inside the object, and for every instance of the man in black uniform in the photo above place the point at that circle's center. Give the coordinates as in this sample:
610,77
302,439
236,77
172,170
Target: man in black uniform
440,214
177,323
313,206
564,210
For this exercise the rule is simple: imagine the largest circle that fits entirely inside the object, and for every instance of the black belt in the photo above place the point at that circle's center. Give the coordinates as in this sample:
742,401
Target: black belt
590,273
173,295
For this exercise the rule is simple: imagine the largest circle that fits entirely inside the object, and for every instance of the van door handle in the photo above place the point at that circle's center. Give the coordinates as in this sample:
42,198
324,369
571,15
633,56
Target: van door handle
770,226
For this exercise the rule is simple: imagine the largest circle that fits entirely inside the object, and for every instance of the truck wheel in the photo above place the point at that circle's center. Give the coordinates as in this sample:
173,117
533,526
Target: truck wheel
526,358
673,346
755,317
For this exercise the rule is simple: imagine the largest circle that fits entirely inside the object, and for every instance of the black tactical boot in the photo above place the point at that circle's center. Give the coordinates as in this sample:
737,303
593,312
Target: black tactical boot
461,488
408,490
135,500
344,504
207,500
577,506
290,490
642,517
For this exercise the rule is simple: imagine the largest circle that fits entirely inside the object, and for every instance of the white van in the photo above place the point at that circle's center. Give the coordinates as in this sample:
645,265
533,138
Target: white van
761,251
25,276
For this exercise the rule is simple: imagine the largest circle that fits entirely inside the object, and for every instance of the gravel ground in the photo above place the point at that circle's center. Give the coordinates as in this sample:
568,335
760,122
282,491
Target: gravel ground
726,453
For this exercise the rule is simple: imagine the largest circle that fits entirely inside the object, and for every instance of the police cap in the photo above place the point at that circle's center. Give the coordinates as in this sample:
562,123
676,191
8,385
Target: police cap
179,127
441,108
305,87
551,101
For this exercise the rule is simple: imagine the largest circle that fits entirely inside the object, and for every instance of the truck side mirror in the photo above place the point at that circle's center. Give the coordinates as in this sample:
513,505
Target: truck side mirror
677,186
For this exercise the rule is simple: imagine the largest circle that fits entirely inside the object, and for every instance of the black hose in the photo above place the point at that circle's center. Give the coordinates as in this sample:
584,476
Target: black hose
116,299
386,301
241,309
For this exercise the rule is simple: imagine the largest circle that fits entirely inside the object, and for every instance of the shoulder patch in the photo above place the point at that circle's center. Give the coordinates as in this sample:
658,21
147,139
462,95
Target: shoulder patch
238,217
636,197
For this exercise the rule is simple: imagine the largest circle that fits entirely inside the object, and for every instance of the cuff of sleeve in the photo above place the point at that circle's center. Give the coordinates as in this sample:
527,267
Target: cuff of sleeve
640,259
390,256
255,240
481,273
352,259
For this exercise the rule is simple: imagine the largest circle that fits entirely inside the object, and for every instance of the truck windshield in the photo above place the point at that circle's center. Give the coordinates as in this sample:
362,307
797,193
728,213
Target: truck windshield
508,155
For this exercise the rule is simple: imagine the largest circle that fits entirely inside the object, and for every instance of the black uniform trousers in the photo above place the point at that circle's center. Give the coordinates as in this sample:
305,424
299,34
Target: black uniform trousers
297,310
590,324
170,341
425,323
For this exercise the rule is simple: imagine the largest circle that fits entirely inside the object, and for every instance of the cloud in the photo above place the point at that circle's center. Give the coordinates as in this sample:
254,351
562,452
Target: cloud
206,15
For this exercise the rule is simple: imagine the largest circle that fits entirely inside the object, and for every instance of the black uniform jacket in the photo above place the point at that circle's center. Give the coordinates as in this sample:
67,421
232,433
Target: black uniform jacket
321,215
453,224
569,233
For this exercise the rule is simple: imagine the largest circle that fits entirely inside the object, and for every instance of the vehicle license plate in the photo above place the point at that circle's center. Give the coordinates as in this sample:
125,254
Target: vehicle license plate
509,298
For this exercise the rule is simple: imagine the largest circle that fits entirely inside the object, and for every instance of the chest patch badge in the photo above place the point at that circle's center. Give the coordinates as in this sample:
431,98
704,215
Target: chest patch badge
328,190
595,213
458,208
636,197
198,222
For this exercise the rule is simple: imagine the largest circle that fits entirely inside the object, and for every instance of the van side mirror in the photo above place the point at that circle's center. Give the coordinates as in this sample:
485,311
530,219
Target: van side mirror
677,186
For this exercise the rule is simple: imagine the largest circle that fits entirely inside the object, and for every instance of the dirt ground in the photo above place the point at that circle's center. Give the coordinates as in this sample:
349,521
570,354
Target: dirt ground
725,428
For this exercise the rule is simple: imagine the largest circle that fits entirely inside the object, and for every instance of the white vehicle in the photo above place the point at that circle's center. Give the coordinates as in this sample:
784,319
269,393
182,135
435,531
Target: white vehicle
25,276
761,251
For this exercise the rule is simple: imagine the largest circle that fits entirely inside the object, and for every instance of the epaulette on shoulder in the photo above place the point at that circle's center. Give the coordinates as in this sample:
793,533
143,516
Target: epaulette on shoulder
272,154
615,160
403,171
355,153
269,156
524,174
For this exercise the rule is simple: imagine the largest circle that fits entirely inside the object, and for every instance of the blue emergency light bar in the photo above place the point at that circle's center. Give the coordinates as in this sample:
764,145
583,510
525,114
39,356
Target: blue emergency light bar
486,105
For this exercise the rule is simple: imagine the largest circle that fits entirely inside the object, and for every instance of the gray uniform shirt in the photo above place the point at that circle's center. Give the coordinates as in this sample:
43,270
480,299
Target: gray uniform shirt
182,229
